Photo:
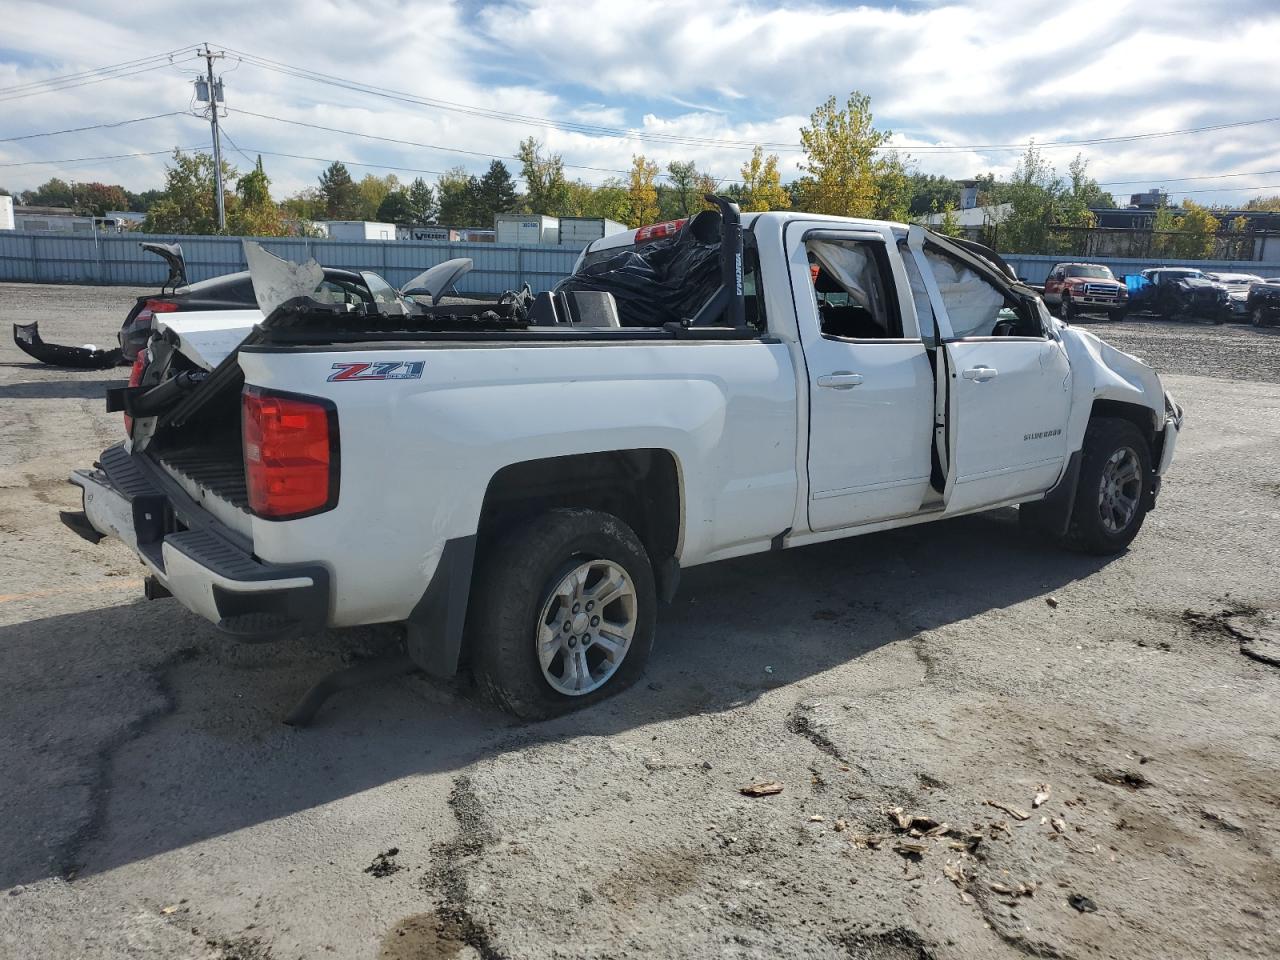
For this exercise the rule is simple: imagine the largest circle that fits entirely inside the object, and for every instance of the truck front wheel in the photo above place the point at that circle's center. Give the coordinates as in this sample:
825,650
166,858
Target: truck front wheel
563,613
1113,491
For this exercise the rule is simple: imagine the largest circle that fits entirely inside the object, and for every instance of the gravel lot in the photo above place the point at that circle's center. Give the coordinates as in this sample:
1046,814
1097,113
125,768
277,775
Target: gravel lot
153,805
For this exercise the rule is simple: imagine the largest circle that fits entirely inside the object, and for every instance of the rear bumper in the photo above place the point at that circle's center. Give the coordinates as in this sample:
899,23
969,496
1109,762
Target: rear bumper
209,568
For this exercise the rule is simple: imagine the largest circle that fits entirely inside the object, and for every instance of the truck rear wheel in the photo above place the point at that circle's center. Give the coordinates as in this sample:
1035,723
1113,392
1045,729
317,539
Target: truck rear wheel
563,613
1114,487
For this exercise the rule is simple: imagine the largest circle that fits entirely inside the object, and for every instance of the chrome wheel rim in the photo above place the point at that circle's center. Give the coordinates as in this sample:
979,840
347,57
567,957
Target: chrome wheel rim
585,627
1120,489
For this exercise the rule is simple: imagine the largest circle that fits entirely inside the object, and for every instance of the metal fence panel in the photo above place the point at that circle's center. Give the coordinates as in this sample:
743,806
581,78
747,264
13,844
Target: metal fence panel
118,259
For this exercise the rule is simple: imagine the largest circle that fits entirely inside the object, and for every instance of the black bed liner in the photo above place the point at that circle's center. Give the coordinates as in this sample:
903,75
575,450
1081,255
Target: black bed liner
217,469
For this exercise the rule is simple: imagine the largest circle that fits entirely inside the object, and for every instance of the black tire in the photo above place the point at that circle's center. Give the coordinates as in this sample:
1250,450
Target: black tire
1256,318
1105,437
1066,311
517,578
1118,315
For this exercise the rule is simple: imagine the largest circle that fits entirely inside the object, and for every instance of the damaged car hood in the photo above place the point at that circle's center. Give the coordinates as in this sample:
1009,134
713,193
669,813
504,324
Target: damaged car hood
208,337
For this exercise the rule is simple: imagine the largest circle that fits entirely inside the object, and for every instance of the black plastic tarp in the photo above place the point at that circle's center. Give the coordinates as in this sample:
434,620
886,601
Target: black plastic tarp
662,281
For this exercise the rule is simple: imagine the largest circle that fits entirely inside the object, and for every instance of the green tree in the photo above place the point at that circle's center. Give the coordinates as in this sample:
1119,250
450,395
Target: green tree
395,208
847,170
52,193
339,194
188,205
456,190
496,192
641,193
609,200
306,204
681,190
949,226
373,190
255,213
930,194
422,202
546,190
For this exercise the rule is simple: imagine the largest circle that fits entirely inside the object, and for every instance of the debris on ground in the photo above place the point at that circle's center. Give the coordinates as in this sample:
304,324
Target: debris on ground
1122,778
1052,602
1041,795
1082,903
1059,825
1013,889
1010,810
817,818
766,788
384,864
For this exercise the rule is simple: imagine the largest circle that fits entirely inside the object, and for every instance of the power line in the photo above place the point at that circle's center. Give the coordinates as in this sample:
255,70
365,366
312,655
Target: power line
483,112
85,83
96,126
601,130
1206,176
117,156
433,146
91,72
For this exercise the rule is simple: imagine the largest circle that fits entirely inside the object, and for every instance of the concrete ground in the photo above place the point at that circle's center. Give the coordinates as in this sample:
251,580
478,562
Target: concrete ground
153,805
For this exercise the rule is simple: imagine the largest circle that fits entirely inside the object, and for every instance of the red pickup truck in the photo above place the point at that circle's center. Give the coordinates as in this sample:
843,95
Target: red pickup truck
1085,288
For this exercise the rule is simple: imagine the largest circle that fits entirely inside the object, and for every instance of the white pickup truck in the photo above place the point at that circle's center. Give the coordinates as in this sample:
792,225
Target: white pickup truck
519,482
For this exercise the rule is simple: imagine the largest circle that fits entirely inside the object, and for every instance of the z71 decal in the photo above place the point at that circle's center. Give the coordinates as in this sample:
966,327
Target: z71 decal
378,370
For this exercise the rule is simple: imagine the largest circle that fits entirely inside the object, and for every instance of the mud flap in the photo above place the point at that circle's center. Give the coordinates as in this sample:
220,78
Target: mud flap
27,337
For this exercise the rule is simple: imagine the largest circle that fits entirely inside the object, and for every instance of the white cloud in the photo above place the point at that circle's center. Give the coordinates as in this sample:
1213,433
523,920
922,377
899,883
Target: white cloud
948,73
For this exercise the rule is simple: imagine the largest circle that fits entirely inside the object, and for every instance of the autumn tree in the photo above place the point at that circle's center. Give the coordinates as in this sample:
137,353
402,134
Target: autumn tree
372,190
255,214
681,190
609,200
1271,204
762,184
339,193
188,205
641,194
546,191
847,170
1187,233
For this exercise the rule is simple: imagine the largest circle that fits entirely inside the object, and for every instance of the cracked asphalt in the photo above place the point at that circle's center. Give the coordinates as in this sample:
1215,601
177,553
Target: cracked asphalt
915,694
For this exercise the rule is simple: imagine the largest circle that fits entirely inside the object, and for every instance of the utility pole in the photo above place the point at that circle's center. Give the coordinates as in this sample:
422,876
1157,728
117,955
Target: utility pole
214,94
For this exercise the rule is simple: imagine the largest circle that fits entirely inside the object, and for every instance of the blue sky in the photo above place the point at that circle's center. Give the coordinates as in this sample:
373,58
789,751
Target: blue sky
682,76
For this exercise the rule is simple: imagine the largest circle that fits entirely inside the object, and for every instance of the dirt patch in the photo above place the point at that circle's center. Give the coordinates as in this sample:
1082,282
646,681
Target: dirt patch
895,944
1256,631
240,948
425,936
656,875
384,864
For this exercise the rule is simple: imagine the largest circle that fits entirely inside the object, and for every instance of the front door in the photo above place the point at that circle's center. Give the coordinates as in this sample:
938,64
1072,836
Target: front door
1005,383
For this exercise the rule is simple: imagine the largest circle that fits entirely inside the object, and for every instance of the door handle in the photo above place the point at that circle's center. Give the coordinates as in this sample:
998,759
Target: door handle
840,380
980,373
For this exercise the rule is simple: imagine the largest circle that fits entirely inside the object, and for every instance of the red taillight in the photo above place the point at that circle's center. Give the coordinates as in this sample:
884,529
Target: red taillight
135,380
160,306
658,230
290,454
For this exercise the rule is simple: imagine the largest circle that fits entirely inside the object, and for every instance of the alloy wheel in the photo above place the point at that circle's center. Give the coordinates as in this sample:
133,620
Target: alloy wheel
1119,490
585,627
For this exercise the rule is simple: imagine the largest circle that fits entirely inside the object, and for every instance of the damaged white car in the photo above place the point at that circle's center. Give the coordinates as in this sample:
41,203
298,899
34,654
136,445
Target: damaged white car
520,482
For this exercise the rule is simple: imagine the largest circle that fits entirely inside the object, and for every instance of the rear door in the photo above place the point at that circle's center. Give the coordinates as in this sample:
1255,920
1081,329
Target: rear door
1003,380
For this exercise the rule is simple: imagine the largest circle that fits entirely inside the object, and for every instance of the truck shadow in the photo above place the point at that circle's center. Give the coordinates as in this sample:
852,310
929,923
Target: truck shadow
137,729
